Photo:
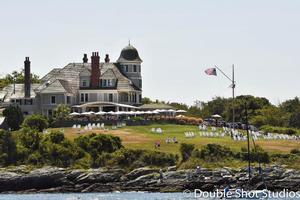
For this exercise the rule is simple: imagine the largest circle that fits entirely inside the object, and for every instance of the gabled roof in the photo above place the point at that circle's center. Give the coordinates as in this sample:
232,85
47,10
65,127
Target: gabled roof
53,72
18,92
72,71
57,86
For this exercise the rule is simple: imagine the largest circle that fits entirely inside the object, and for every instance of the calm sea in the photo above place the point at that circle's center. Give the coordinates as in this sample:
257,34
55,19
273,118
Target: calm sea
100,196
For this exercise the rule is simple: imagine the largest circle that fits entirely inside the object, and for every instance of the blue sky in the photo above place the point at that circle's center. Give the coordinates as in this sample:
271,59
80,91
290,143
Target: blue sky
177,41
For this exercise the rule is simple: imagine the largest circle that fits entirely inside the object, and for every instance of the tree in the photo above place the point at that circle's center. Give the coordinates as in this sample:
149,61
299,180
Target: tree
146,100
61,112
37,122
186,151
7,148
290,105
13,116
294,120
17,77
271,115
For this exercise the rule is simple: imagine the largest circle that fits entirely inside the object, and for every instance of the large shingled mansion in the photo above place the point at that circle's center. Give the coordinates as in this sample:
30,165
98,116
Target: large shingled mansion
86,86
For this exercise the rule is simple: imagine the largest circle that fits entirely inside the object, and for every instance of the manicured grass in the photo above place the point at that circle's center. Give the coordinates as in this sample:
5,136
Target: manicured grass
141,137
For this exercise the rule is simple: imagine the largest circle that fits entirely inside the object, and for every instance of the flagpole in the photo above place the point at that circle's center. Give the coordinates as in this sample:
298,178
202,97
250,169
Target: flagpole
232,80
233,96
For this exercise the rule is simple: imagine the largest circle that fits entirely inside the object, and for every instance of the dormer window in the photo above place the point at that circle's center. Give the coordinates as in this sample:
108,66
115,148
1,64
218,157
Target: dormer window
126,68
103,82
108,82
134,68
84,83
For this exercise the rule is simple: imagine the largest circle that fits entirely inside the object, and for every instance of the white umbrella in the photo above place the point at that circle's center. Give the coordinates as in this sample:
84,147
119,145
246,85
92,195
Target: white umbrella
111,113
74,114
119,113
171,110
86,113
216,116
149,112
132,113
101,113
157,110
181,111
139,112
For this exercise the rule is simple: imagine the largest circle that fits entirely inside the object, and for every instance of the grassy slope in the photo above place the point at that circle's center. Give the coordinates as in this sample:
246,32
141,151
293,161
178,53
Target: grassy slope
140,137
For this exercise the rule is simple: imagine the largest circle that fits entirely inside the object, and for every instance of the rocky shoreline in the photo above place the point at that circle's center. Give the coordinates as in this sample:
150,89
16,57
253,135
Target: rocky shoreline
53,180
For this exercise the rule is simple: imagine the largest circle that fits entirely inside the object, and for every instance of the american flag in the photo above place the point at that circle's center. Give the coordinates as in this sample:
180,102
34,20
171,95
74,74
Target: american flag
211,71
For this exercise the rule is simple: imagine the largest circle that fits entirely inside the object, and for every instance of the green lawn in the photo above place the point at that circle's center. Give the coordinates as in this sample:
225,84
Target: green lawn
178,132
141,137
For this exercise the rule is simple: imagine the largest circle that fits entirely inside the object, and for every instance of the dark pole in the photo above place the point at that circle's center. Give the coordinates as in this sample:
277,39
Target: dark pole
233,93
248,140
233,96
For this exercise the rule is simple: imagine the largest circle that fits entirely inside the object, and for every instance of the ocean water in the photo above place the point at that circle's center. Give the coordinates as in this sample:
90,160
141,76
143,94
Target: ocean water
98,196
106,196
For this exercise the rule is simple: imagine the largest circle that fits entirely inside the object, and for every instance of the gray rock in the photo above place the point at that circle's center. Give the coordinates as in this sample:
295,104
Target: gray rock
139,172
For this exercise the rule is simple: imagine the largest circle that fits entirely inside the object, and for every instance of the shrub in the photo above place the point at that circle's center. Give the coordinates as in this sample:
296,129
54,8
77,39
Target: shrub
281,130
56,137
295,151
186,151
58,151
35,158
37,122
214,152
99,143
154,158
131,158
30,139
126,157
256,155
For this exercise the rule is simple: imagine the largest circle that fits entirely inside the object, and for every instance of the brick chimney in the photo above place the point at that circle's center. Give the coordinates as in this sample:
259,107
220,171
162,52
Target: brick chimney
85,58
27,85
107,58
95,74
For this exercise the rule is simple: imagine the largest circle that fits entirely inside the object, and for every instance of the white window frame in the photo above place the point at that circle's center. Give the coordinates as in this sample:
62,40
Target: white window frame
54,100
84,97
84,83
